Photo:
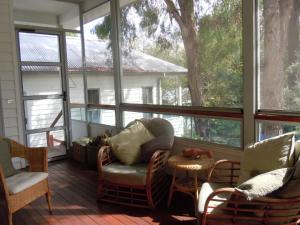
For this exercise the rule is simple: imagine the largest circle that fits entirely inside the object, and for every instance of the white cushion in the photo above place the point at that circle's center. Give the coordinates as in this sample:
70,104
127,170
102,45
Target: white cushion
206,190
23,180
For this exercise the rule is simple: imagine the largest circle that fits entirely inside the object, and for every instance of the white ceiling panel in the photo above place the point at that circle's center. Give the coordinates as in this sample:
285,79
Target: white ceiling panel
48,6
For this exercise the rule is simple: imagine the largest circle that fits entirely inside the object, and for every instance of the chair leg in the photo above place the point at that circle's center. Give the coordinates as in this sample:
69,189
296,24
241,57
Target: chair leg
170,198
10,219
48,198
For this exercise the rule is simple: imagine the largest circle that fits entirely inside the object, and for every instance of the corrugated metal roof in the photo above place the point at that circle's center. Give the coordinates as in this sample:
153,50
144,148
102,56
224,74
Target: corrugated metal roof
98,56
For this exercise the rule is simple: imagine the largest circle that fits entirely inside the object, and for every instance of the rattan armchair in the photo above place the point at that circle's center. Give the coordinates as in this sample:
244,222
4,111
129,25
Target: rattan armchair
143,185
11,202
224,205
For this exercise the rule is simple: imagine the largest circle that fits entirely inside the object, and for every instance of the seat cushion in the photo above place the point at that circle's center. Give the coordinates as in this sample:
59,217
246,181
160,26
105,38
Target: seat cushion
126,145
123,174
5,158
206,190
23,180
278,152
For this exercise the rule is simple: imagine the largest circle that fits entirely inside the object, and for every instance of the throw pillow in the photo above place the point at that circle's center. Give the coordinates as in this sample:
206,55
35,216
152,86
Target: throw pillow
159,143
5,158
266,183
126,145
291,189
267,155
297,151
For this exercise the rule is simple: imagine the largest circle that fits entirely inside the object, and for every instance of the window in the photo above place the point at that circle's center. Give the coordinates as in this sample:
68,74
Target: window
220,131
78,114
93,96
101,116
75,67
201,69
147,95
147,98
165,68
98,51
268,129
279,54
278,68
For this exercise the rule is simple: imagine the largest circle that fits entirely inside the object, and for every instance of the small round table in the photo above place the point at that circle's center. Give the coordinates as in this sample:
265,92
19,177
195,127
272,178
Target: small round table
189,185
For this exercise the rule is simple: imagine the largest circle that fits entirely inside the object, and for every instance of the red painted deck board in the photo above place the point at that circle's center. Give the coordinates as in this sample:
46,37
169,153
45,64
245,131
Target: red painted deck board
73,188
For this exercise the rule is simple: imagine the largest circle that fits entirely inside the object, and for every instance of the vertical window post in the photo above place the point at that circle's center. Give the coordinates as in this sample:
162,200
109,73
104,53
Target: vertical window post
117,59
249,55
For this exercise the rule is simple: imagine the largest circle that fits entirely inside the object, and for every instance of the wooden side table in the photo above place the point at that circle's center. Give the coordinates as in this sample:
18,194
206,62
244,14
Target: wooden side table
190,184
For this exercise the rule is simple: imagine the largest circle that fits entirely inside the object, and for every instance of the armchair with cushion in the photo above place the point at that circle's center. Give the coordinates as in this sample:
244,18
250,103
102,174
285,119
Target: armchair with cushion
222,202
142,183
19,188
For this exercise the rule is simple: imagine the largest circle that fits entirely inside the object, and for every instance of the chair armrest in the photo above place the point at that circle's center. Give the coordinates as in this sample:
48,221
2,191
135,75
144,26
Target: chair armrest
37,159
105,157
236,207
228,172
157,164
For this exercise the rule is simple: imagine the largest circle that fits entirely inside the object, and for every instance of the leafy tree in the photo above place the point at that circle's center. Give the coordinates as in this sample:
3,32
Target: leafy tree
205,37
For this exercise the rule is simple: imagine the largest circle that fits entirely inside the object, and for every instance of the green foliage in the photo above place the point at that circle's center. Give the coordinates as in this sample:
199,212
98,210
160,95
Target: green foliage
220,39
292,90
103,30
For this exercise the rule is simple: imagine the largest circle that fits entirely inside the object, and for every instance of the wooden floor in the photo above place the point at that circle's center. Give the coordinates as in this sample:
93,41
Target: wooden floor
74,202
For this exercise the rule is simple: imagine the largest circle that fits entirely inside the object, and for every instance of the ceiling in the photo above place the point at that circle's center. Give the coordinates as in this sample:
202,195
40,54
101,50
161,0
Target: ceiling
47,6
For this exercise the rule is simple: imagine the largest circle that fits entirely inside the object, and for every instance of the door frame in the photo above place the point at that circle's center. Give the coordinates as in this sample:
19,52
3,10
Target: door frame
64,96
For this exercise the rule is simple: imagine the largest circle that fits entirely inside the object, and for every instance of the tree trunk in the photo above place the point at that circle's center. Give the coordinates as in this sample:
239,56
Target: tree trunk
271,78
190,39
293,40
277,15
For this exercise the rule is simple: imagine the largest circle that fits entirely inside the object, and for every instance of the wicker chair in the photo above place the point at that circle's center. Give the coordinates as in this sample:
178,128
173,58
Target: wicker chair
221,204
11,199
141,185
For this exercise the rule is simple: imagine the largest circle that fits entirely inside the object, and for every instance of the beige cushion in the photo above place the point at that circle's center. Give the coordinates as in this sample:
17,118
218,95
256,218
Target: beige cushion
292,188
267,155
23,180
206,190
297,151
126,145
123,174
265,183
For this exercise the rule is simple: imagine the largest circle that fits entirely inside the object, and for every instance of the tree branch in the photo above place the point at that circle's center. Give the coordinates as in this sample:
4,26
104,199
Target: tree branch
172,9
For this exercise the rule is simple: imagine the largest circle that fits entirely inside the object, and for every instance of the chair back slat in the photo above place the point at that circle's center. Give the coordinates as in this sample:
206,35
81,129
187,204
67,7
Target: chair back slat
16,149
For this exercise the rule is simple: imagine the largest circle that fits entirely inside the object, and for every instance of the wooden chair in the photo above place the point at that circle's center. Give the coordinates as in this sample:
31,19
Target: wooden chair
224,205
142,185
11,199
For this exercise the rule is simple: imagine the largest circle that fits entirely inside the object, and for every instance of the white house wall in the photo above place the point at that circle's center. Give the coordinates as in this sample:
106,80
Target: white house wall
133,83
9,85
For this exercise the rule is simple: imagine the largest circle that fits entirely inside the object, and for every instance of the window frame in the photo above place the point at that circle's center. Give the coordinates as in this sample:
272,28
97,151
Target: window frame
264,115
245,114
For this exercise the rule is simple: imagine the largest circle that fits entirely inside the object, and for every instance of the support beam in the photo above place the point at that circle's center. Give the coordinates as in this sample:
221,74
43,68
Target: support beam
249,55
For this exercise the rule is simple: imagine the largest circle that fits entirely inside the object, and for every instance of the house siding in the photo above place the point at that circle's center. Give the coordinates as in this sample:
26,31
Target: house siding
9,110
